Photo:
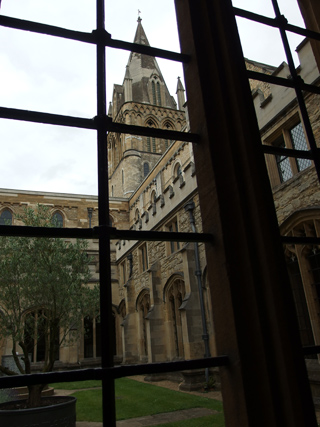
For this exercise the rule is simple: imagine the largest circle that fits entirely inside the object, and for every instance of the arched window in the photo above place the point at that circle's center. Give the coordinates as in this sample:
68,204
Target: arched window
145,169
177,170
57,220
6,217
91,336
174,297
158,93
143,307
154,99
122,309
151,124
299,297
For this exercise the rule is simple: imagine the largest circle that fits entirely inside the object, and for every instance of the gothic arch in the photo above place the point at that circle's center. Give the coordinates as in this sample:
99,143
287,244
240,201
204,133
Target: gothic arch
58,218
173,295
298,217
167,124
122,310
151,122
142,307
176,170
303,264
155,89
6,216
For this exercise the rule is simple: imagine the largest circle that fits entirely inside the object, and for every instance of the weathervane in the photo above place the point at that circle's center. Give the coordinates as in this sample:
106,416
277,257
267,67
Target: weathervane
139,18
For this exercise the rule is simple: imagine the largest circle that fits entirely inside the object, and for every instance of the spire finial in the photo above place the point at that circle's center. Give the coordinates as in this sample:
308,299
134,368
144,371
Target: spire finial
139,18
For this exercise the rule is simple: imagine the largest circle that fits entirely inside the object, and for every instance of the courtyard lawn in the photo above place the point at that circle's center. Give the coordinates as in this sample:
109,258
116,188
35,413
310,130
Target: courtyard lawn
76,385
136,399
208,421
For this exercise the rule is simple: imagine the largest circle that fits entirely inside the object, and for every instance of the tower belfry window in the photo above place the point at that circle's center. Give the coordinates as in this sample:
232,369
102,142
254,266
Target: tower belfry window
154,98
158,94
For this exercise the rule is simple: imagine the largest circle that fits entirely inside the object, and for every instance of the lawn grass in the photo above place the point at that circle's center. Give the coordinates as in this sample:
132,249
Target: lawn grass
76,385
207,421
136,399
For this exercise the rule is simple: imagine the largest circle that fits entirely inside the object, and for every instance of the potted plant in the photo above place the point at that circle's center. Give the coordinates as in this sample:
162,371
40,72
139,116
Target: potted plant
43,296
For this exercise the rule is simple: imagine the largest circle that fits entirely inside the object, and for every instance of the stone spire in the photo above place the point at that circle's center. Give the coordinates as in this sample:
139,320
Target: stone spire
110,109
180,94
140,36
127,84
141,68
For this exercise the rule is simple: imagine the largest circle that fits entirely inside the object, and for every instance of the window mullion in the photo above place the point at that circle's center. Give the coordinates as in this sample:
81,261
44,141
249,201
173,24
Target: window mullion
108,394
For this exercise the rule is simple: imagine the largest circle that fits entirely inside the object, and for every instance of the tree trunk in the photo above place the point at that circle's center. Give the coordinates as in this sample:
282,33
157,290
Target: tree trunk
34,398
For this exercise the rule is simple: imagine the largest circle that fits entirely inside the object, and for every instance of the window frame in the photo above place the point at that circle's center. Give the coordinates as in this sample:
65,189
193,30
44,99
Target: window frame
172,227
143,258
215,63
282,139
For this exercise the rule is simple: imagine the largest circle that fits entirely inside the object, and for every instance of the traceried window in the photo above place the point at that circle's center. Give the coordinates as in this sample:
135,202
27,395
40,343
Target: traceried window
6,217
57,220
154,98
158,94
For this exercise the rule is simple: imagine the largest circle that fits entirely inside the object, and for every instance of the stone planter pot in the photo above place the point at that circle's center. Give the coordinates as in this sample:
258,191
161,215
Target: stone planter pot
62,414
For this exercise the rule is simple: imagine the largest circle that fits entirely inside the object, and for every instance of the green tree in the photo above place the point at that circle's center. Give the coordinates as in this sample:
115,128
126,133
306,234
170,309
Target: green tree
43,294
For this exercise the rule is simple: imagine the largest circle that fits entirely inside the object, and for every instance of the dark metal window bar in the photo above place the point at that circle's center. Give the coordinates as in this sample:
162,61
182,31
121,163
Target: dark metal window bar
103,124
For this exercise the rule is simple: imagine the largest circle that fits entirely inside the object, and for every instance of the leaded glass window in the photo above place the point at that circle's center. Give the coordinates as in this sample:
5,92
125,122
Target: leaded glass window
299,142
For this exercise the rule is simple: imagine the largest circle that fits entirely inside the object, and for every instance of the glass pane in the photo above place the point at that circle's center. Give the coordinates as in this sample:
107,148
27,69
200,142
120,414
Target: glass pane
284,168
47,158
299,143
42,73
73,14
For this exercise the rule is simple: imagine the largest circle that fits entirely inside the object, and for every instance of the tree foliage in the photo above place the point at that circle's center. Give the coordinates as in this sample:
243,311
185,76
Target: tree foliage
43,291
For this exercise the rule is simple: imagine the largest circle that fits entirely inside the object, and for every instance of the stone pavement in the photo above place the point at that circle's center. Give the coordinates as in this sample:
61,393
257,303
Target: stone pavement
155,420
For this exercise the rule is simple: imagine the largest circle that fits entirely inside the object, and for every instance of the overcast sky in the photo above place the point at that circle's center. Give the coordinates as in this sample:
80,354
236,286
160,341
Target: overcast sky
44,73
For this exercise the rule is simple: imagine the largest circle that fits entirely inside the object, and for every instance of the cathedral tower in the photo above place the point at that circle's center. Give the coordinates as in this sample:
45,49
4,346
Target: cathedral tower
142,100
